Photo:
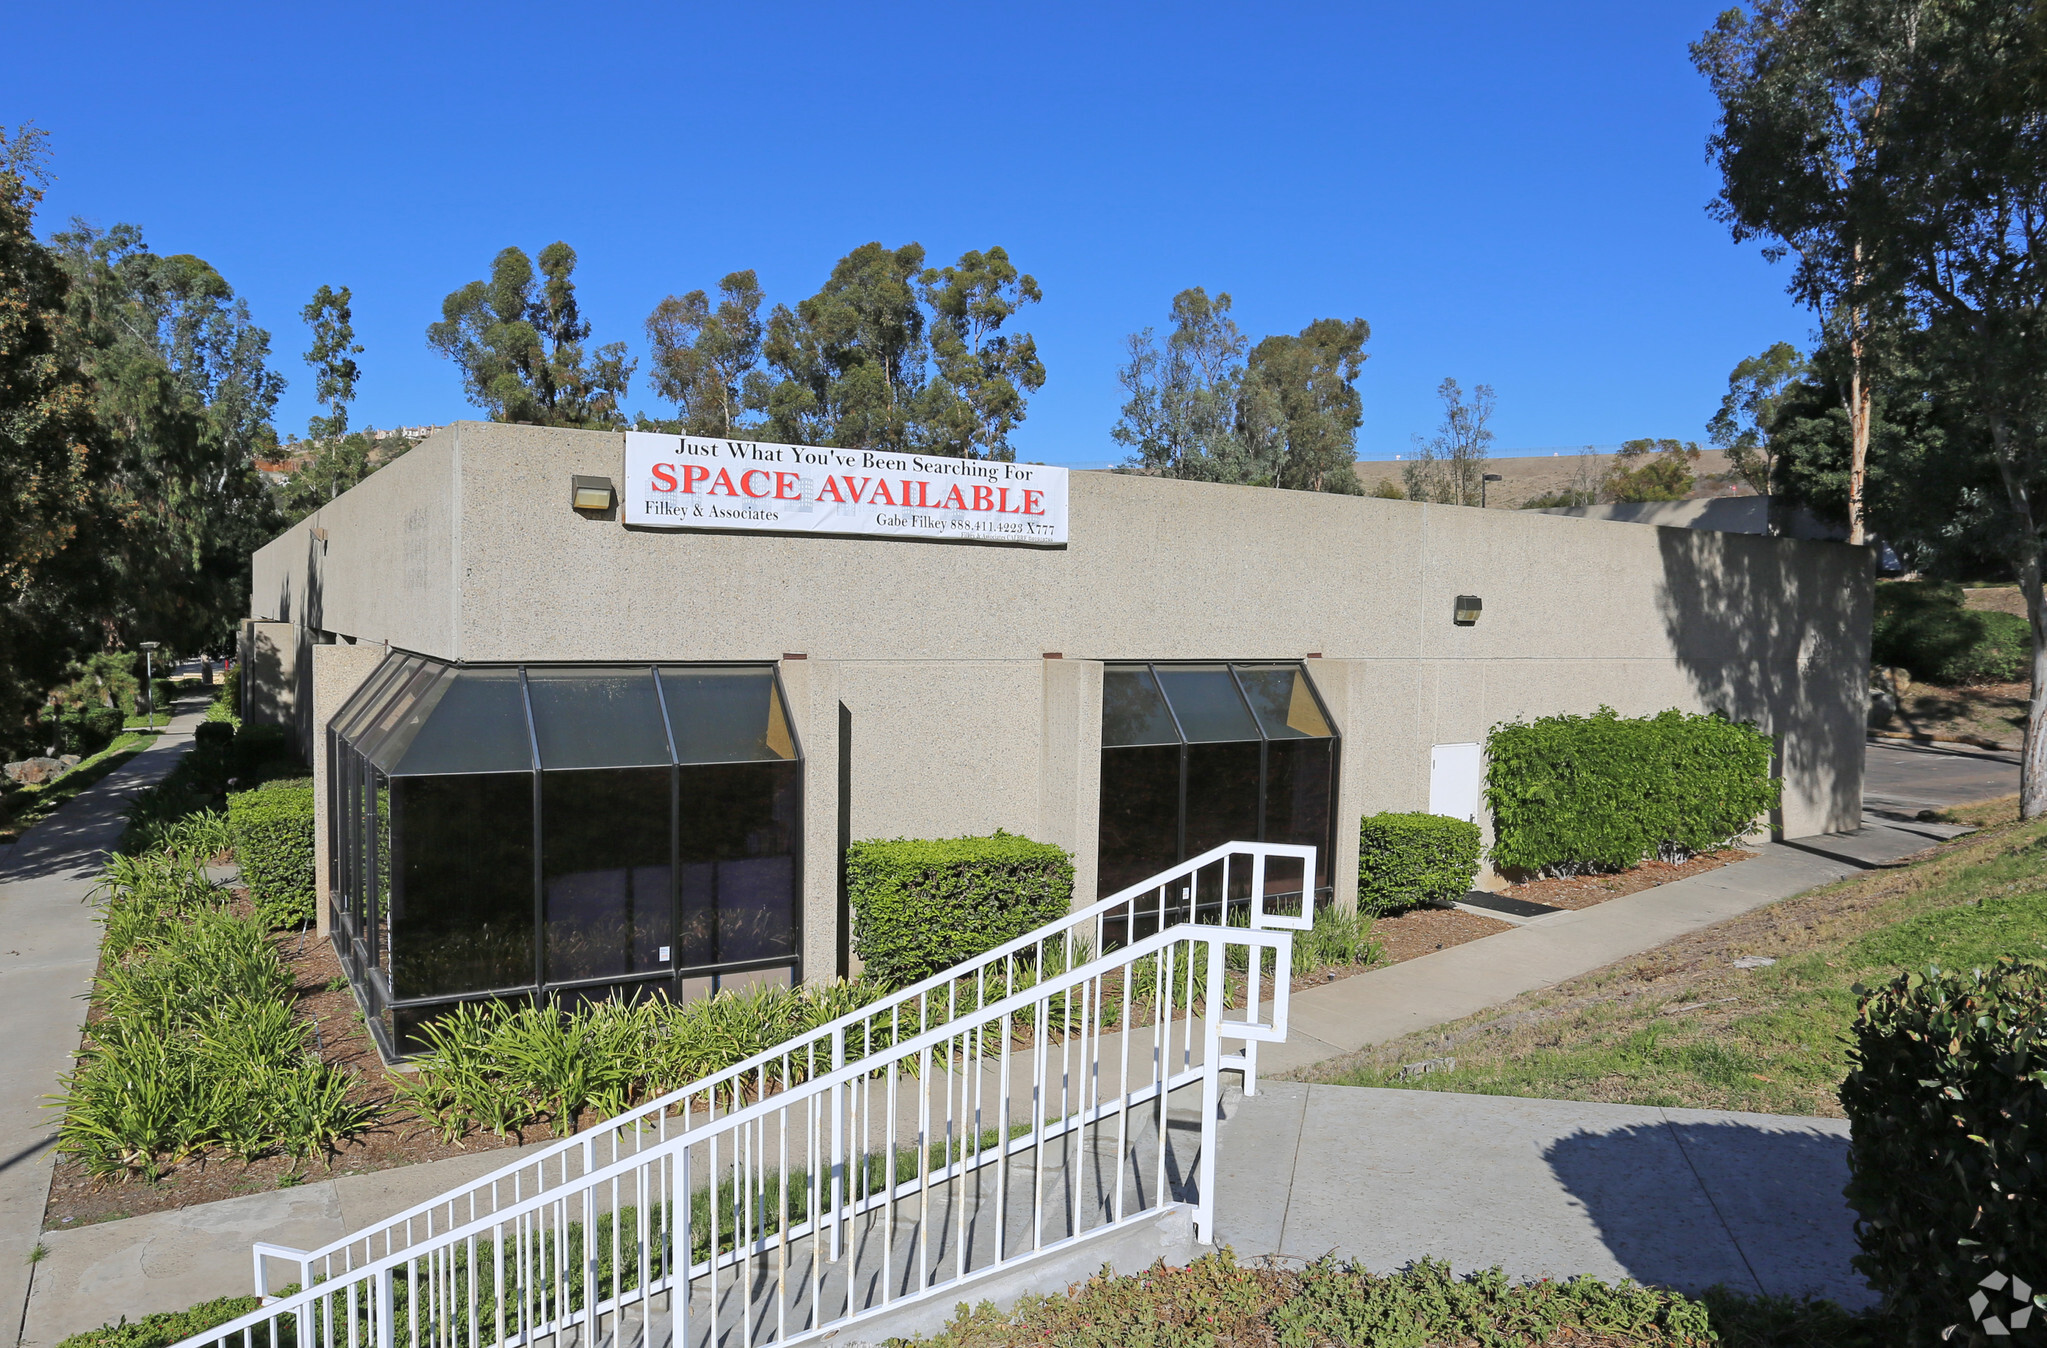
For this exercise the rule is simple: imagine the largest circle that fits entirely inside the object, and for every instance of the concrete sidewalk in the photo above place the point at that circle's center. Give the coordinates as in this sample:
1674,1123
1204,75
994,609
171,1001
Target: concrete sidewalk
169,1260
1683,1198
49,948
1372,1008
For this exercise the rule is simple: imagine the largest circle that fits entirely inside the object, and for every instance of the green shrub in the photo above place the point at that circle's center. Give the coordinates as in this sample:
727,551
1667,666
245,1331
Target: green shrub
271,830
1405,860
165,1327
213,733
1923,626
1603,792
920,906
1946,1098
195,1044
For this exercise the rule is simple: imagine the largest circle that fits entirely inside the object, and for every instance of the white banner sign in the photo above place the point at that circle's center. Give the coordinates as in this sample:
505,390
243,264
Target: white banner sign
691,482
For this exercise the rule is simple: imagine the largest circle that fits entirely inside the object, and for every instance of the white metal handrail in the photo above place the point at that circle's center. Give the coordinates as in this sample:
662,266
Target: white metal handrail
1022,1126
1237,873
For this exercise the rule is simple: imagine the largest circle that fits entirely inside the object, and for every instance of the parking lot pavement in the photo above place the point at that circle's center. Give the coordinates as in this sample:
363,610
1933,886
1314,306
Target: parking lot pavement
1907,778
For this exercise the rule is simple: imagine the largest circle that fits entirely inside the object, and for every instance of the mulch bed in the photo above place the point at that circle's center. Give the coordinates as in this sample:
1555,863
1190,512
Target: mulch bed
1583,891
401,1139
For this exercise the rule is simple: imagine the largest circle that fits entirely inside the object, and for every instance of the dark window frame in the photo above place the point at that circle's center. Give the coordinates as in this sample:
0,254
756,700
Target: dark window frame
1326,846
357,829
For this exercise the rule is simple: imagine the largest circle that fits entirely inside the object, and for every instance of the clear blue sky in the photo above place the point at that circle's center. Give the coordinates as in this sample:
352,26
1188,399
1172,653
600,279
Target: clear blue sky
1510,194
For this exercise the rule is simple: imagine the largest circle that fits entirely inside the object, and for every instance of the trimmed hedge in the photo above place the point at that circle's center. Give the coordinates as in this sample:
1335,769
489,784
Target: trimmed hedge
1604,792
1924,626
213,734
167,1327
1406,860
272,832
922,906
1946,1100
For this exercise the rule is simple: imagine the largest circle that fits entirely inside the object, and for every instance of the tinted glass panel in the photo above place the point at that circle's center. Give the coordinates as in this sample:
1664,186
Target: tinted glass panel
478,725
597,718
726,716
1140,833
1284,701
463,920
1299,777
604,870
1132,710
738,858
381,827
418,705
366,699
1205,699
399,700
1222,795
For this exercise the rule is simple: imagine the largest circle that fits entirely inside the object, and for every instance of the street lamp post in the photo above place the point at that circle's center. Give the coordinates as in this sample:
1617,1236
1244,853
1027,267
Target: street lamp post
1482,480
149,679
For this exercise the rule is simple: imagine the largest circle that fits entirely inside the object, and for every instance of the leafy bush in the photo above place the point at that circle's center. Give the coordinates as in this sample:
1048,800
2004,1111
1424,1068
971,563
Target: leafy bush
501,1066
271,831
215,734
1217,1300
1574,793
165,1327
1923,626
1946,1097
923,906
195,1044
1405,860
199,783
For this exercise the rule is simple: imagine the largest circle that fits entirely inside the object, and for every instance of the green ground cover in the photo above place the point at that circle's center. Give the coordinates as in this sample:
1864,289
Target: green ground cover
1683,1026
29,806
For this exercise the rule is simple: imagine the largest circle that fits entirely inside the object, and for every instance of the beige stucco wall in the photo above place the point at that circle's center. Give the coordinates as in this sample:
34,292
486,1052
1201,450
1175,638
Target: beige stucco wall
335,671
926,705
379,561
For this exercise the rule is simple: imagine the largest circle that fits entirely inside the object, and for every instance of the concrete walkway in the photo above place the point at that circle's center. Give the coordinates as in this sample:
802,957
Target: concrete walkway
169,1260
1684,1198
1451,984
49,948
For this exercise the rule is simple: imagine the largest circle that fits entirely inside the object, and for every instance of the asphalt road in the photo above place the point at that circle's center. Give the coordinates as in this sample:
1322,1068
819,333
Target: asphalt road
1914,777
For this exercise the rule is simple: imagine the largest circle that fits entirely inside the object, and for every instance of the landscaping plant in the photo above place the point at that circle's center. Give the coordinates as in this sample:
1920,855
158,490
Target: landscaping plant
1926,627
271,830
922,906
1571,794
1407,860
1947,1098
194,1044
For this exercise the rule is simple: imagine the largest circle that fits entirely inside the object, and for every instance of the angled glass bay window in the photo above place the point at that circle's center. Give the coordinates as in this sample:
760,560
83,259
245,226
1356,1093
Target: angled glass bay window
1196,755
557,831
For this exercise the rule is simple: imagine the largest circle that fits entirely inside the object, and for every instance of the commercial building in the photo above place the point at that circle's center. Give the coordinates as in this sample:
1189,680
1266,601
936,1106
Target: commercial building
558,750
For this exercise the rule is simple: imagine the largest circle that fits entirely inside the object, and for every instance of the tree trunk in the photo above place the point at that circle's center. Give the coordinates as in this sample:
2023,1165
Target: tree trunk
2033,758
2033,761
1858,428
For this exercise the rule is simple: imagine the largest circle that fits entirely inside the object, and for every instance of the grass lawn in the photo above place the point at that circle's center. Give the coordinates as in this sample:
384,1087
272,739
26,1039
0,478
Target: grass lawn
1682,1026
30,806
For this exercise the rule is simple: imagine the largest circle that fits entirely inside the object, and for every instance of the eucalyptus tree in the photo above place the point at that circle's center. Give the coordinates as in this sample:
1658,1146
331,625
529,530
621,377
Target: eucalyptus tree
982,376
183,396
1180,419
1449,468
1757,390
706,359
53,463
332,357
518,339
1809,91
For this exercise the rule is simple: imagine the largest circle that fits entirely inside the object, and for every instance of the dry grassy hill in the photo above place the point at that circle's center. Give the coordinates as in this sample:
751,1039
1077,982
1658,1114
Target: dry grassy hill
1528,477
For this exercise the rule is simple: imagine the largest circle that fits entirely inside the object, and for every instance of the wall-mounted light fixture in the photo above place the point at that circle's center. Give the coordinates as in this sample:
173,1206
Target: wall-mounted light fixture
591,493
1469,606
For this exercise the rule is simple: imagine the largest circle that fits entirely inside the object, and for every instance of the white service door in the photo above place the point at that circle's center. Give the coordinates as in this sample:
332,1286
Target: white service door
1454,781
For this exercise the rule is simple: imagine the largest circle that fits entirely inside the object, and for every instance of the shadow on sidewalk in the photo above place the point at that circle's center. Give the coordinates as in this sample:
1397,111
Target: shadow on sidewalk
1775,1193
